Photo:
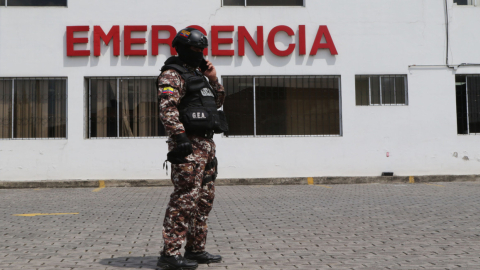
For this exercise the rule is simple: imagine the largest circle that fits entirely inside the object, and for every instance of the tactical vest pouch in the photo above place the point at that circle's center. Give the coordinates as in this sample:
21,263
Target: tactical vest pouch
197,119
220,122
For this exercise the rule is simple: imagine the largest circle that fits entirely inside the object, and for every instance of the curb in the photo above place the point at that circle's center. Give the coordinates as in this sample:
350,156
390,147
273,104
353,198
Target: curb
242,181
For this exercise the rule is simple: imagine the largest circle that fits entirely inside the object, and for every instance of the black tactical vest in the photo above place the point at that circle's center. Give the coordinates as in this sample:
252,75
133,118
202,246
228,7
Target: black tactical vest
198,109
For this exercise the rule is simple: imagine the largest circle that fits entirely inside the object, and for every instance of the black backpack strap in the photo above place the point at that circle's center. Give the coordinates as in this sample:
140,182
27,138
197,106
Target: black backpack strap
183,71
176,67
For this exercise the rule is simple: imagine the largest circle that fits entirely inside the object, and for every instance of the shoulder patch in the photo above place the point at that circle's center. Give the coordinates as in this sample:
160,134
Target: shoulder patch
167,90
206,92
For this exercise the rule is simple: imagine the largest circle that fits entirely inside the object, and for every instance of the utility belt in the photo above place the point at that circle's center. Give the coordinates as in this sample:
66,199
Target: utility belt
208,134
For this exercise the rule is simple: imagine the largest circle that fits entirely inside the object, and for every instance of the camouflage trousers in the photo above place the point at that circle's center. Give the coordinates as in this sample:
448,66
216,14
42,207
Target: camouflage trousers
190,203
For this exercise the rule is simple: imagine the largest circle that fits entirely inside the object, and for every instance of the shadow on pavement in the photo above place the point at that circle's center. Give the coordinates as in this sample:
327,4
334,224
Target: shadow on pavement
149,262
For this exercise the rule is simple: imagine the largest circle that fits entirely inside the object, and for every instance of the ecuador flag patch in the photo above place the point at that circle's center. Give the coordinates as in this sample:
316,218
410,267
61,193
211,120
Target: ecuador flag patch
185,33
167,90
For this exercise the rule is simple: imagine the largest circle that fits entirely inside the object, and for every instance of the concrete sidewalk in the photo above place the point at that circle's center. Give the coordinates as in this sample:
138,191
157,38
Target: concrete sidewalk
77,183
357,226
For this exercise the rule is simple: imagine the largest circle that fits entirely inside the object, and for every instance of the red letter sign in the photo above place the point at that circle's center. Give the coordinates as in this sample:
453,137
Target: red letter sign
99,34
71,41
323,31
156,41
127,49
216,40
199,28
301,40
271,40
243,34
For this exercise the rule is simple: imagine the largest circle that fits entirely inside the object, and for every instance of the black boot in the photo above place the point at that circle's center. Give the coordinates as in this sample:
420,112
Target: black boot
176,262
202,257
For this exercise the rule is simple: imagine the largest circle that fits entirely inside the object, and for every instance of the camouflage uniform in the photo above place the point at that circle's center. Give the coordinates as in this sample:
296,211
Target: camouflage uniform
190,203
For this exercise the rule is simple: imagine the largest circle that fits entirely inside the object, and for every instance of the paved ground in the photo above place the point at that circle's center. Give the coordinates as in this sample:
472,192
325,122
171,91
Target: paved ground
370,226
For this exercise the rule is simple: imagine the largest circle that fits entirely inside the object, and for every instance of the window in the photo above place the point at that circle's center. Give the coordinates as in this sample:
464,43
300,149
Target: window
36,3
465,2
381,90
263,3
283,105
468,104
123,107
33,108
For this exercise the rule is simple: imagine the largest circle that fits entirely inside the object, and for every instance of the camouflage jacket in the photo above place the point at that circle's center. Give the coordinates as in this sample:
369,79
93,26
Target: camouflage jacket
171,89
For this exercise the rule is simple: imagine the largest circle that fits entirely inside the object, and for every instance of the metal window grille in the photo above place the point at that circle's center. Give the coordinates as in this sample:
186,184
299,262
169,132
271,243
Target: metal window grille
123,107
465,2
468,104
263,3
33,3
283,105
371,90
33,108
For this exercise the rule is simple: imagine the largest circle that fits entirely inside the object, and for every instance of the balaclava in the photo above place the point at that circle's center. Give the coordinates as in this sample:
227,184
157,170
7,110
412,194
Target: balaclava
188,56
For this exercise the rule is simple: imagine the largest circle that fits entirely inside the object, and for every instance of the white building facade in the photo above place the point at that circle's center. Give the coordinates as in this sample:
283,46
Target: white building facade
314,88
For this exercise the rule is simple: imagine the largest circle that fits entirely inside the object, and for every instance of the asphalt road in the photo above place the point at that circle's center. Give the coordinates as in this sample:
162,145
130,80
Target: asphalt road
368,226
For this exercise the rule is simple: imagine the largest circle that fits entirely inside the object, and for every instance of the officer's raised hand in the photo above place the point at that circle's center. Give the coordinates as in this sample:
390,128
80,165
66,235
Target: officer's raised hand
211,72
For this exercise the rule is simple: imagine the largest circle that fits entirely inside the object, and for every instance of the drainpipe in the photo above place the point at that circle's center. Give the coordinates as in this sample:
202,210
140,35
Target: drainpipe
448,46
446,29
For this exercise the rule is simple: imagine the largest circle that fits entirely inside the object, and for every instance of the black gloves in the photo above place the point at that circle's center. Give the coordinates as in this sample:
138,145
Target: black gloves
184,147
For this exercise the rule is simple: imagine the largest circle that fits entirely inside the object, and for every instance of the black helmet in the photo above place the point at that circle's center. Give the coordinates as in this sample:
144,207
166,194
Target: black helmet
192,37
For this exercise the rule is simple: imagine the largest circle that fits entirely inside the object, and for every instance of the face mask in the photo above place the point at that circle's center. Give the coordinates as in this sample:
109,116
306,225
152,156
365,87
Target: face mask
190,57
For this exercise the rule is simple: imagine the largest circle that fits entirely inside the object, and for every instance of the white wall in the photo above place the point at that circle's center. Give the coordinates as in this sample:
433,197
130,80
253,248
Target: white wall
371,36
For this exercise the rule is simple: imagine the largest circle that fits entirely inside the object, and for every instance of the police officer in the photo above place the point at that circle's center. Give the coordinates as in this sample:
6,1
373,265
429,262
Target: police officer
189,111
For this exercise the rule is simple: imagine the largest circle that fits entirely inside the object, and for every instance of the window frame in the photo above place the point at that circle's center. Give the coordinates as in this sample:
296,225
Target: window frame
405,76
88,108
245,5
340,114
466,103
13,105
6,5
472,3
